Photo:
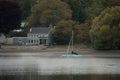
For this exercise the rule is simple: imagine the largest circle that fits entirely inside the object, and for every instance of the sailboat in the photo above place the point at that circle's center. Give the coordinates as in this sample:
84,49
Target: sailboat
70,50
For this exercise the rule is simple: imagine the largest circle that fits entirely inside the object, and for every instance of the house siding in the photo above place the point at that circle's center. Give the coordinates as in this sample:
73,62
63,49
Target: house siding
19,40
39,38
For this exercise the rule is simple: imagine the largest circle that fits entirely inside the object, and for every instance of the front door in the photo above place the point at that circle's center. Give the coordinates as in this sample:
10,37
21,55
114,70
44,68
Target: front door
40,41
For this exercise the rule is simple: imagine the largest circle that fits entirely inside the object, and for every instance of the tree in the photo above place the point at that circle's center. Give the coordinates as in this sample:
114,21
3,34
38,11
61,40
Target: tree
21,33
97,6
62,31
82,33
10,16
79,9
105,31
87,10
48,12
26,6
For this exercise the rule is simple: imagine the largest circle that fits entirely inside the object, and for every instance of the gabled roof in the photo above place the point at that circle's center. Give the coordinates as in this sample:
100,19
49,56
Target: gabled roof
39,30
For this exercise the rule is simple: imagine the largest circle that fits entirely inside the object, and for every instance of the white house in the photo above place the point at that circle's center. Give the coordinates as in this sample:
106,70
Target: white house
36,36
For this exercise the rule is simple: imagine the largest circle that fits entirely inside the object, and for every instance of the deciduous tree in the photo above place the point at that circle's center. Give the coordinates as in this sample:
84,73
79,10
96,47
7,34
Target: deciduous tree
48,12
62,31
105,32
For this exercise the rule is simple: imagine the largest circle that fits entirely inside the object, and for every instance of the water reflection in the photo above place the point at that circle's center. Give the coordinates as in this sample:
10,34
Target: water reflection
60,65
38,68
35,76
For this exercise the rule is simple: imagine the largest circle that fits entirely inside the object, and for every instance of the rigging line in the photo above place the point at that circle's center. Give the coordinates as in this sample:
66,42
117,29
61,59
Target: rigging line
72,39
69,45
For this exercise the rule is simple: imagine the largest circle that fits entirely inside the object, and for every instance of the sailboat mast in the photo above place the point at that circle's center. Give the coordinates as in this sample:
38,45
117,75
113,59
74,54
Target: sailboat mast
71,43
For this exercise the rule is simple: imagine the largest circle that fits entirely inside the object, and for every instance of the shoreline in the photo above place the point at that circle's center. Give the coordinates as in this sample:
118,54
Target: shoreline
79,49
29,49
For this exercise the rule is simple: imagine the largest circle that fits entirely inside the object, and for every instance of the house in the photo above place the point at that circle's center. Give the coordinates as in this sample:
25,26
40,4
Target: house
36,36
39,36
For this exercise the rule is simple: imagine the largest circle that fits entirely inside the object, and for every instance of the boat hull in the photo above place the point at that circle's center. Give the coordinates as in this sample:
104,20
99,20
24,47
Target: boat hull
71,55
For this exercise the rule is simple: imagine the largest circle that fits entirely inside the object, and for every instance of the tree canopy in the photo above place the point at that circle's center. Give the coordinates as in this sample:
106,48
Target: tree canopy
78,7
97,6
105,32
61,14
48,12
62,31
26,6
10,16
87,10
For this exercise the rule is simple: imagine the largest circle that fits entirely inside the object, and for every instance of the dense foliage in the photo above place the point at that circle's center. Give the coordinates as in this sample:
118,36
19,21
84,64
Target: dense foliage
26,6
62,14
10,16
62,31
87,10
48,12
105,32
96,6
82,34
78,7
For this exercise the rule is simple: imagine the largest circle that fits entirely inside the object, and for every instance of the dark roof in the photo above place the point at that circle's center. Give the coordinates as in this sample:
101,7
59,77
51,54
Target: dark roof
39,30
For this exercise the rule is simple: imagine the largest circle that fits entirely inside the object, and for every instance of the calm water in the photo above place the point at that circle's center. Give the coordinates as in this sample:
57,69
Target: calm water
29,67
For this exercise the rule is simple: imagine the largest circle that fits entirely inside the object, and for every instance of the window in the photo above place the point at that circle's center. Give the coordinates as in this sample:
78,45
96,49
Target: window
40,41
31,41
28,41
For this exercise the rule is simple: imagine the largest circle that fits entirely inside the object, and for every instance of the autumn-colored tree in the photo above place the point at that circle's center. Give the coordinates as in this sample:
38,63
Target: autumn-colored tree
48,12
105,32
